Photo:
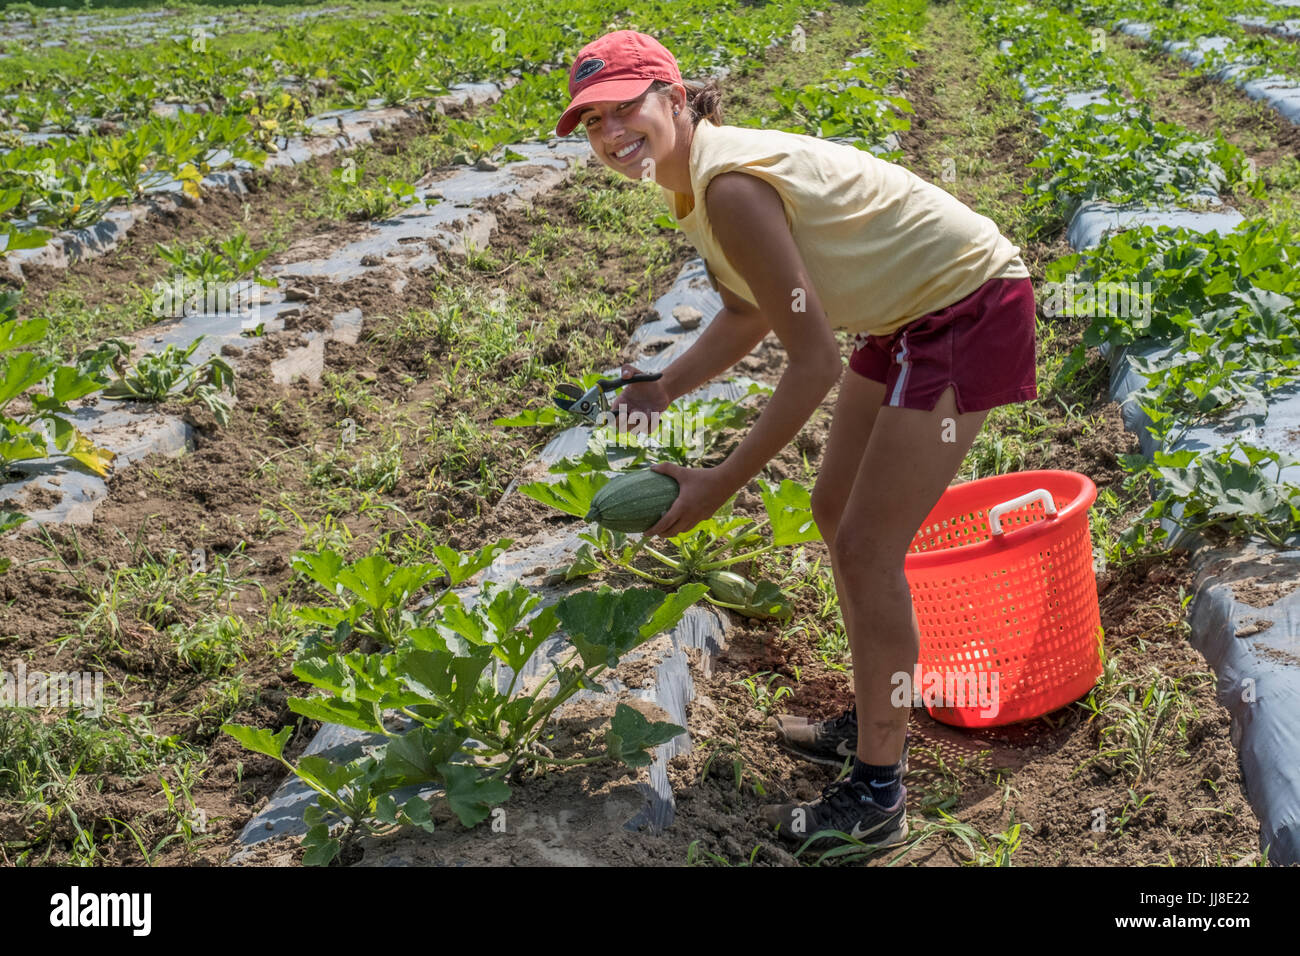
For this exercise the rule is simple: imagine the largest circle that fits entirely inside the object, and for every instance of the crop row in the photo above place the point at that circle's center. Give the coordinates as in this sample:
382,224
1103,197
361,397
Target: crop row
240,103
23,27
859,102
109,171
352,61
1100,145
1253,54
1215,315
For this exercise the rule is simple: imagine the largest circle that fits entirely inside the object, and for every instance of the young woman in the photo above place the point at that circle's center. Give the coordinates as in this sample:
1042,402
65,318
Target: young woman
802,236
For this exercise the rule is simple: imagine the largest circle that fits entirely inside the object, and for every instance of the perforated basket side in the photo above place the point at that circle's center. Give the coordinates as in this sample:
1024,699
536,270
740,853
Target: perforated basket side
1030,617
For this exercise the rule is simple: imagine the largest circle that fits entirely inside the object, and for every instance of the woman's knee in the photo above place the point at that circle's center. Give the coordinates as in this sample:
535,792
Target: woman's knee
864,559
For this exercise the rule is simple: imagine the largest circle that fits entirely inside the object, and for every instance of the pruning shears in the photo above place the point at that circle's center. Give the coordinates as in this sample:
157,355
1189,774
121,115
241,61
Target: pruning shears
593,403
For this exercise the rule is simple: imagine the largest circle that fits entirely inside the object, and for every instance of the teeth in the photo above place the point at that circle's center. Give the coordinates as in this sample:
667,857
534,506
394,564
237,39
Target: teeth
627,149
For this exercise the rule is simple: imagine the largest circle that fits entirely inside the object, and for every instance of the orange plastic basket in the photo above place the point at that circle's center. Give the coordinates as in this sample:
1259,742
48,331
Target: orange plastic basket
1002,580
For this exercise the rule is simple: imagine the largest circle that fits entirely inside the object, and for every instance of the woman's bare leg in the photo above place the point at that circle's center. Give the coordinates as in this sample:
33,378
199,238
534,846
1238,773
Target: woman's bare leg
909,461
856,409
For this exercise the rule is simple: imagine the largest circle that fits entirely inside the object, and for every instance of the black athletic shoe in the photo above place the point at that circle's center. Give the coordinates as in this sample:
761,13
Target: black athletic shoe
844,806
829,742
824,741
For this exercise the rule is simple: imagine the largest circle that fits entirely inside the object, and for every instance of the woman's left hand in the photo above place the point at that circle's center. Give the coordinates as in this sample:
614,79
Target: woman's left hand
703,492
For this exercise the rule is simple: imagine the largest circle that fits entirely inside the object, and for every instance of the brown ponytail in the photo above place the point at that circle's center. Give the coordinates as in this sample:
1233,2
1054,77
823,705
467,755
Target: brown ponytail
703,99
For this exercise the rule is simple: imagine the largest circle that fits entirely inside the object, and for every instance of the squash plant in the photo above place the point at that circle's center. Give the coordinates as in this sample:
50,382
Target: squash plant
712,546
230,260
368,598
34,402
447,696
162,376
1224,306
1227,488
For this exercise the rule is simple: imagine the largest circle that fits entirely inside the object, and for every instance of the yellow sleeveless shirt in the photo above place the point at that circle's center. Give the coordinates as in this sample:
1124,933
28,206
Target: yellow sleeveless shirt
882,246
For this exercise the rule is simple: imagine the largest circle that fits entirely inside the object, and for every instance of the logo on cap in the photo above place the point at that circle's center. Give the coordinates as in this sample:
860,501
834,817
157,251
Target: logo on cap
588,67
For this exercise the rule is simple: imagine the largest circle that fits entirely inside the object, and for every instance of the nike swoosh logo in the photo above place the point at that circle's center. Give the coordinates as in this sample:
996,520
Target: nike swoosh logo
858,832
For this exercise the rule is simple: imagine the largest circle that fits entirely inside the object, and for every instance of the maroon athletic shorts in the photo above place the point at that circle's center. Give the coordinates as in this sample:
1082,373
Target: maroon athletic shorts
983,346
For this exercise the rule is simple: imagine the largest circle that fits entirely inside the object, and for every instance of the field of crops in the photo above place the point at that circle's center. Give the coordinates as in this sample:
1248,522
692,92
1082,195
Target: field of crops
286,504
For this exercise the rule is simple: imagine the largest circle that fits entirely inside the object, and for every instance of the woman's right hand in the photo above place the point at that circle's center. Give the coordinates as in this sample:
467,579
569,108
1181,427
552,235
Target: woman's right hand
649,398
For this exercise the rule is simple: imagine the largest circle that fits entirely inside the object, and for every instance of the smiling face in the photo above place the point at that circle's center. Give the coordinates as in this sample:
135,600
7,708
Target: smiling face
626,133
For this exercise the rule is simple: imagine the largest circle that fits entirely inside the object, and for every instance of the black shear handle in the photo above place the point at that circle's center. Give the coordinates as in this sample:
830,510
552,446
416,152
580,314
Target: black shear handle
607,384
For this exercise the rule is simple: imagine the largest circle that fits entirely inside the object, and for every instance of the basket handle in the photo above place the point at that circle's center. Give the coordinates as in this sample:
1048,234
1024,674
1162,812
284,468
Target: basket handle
1040,494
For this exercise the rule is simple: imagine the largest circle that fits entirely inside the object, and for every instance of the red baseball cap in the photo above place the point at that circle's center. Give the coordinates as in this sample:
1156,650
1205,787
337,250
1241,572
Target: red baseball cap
618,66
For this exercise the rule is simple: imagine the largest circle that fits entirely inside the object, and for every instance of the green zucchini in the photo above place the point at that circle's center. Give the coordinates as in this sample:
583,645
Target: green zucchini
634,502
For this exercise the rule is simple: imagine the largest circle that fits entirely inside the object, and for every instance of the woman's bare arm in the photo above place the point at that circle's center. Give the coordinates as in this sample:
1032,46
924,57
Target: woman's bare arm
749,220
732,335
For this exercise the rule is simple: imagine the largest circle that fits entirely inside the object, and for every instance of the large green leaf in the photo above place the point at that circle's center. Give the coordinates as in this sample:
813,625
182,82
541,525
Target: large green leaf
572,495
413,758
369,580
790,509
322,567
592,459
470,795
259,740
468,669
19,373
326,774
509,607
768,602
417,813
320,847
516,646
428,672
357,676
668,613
630,736
461,567
23,447
604,625
359,715
329,617
15,334
67,384
469,624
